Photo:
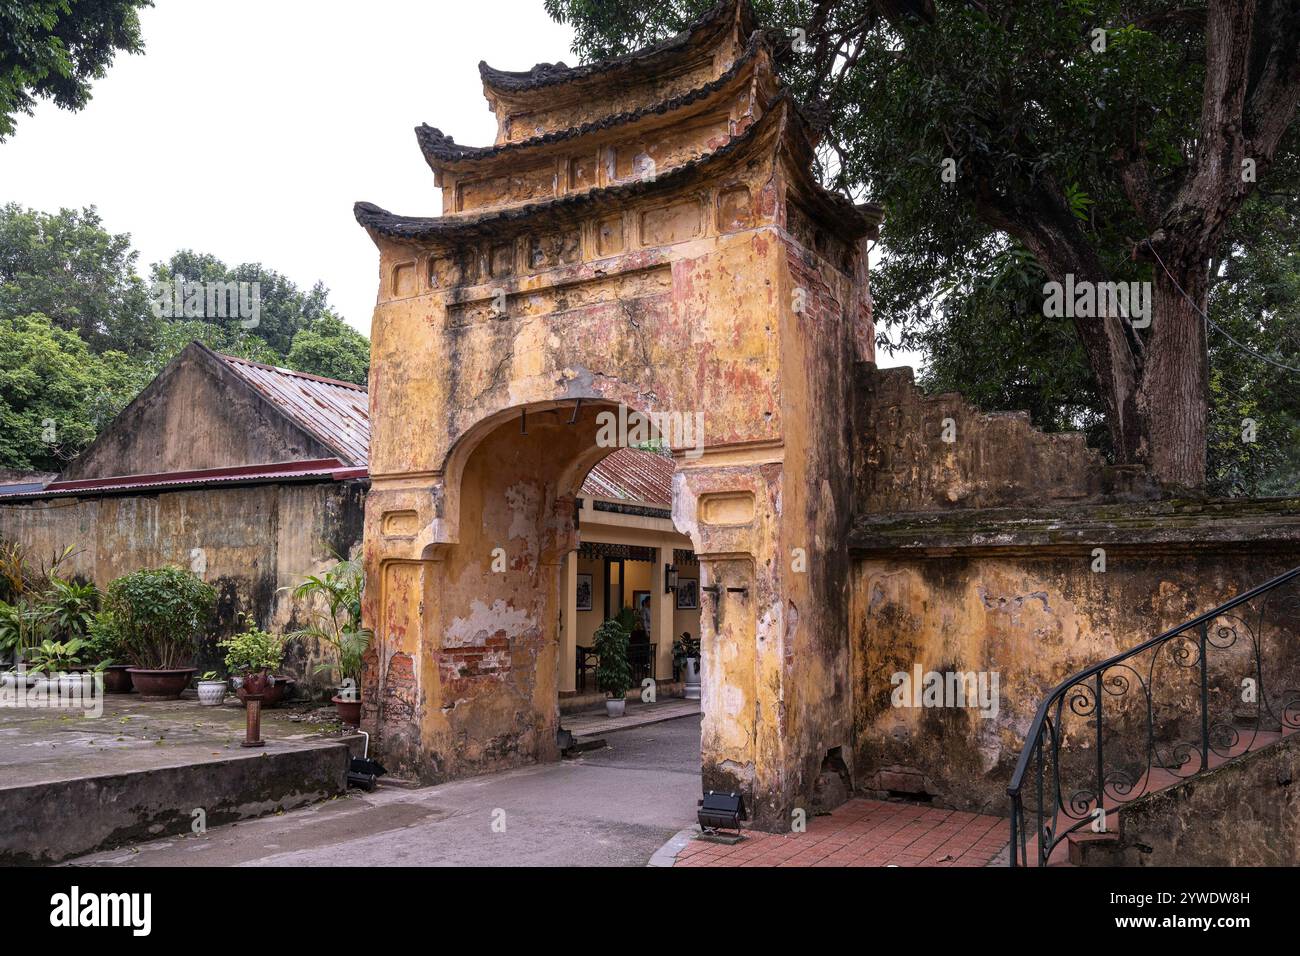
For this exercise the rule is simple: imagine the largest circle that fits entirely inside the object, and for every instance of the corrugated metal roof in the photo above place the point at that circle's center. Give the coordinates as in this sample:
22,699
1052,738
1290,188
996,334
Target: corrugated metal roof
338,413
281,471
632,475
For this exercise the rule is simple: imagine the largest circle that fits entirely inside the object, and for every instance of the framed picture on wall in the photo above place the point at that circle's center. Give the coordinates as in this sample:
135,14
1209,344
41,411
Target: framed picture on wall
688,594
584,592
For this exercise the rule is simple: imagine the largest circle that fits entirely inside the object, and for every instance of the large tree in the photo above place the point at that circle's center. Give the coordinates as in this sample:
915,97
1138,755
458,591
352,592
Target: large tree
68,267
53,49
55,393
1112,140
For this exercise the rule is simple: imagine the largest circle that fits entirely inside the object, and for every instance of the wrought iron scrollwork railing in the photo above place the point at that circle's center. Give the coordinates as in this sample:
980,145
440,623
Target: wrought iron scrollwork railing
1213,688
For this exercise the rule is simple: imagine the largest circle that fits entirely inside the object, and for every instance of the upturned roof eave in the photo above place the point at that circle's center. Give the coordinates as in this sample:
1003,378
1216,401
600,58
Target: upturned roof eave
711,26
775,123
442,152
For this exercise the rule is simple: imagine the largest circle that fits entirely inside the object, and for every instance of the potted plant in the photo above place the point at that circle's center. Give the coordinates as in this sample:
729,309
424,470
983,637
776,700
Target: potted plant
212,689
160,613
55,662
613,672
686,657
337,627
104,646
253,655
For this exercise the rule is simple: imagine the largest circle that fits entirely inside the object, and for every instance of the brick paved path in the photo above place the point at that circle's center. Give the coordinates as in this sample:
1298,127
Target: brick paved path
866,833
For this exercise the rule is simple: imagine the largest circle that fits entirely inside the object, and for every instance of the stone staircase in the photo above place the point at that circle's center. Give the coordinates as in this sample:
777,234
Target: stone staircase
1110,848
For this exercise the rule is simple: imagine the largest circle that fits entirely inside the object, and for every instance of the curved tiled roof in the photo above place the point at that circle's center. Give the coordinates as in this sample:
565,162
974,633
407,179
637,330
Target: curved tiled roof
391,225
439,148
645,59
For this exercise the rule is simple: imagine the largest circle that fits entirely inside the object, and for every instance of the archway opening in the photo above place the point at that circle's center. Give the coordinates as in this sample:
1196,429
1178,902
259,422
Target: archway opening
557,528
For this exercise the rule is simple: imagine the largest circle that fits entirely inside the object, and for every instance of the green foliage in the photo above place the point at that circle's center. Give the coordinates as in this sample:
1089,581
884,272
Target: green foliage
72,607
253,650
610,642
40,605
104,644
68,267
11,627
52,657
331,348
284,309
160,613
685,647
53,49
55,394
333,606
989,340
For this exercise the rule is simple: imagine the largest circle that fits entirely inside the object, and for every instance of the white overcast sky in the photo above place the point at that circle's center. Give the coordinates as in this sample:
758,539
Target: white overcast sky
248,128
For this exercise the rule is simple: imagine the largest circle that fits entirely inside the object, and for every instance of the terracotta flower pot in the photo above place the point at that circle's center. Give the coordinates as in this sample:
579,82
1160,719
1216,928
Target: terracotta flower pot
161,684
117,679
272,689
349,711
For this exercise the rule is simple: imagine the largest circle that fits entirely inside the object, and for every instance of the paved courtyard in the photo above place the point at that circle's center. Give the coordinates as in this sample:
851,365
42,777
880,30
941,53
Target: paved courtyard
617,806
611,807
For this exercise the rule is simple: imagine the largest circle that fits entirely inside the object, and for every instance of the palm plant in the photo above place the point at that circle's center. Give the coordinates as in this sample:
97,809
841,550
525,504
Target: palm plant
335,610
72,607
27,614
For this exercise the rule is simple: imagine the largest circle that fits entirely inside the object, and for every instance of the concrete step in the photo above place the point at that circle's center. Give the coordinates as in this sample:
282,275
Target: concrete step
1092,849
49,820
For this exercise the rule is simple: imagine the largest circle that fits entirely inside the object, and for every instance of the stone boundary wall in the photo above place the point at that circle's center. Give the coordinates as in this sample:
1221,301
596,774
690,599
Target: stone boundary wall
1243,813
919,452
980,554
1018,593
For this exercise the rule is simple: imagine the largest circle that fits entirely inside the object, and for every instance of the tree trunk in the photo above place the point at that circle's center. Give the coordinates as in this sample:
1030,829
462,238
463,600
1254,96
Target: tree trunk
1173,397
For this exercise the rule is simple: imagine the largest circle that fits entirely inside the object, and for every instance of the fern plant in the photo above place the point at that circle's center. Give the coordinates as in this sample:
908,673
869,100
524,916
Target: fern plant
334,605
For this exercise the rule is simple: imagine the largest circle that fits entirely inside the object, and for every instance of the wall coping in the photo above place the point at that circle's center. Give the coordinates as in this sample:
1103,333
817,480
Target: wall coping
1170,526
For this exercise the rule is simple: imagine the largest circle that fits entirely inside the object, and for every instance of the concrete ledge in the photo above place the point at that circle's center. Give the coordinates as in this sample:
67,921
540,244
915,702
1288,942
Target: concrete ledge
51,821
1244,525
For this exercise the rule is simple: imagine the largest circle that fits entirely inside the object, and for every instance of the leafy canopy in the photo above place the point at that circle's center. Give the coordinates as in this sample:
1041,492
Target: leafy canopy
53,49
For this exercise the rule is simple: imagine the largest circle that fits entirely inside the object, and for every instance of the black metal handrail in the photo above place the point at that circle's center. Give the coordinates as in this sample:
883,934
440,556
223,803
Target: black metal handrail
1083,695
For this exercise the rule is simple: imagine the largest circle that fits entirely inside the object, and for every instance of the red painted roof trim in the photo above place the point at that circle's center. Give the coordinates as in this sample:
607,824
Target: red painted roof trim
331,468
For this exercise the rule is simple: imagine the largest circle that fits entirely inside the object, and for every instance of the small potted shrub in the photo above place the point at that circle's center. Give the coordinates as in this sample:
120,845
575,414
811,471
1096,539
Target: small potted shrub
104,647
686,656
613,672
212,689
160,613
335,614
254,655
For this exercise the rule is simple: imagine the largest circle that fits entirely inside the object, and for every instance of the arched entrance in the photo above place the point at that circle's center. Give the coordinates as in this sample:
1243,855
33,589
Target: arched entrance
678,261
